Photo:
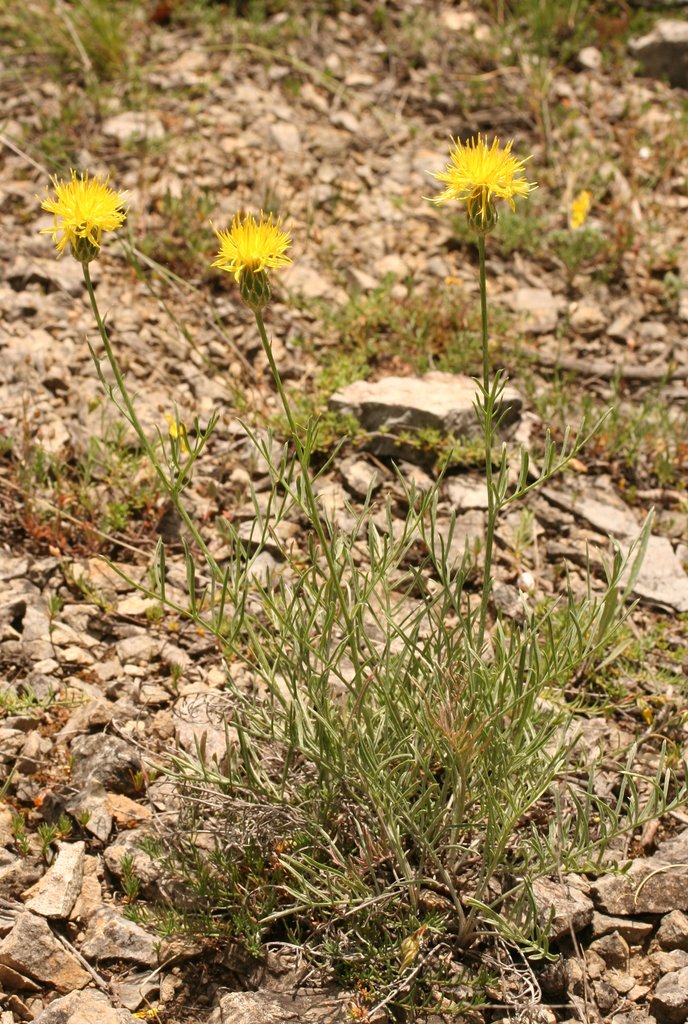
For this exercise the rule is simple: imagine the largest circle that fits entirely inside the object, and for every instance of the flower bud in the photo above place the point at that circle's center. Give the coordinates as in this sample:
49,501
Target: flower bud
84,250
482,214
254,287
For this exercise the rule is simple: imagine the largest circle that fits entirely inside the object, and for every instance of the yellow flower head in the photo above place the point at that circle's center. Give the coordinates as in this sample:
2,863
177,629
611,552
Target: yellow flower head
579,209
251,246
83,208
177,431
478,174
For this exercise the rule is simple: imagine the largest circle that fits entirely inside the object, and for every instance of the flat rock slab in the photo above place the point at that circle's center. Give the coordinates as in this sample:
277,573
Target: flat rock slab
32,949
662,580
86,1007
110,936
55,893
670,1001
279,1008
663,52
563,908
109,760
649,887
538,308
436,401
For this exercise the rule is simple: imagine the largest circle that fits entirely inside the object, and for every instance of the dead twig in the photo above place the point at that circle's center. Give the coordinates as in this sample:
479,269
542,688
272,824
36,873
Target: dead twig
609,371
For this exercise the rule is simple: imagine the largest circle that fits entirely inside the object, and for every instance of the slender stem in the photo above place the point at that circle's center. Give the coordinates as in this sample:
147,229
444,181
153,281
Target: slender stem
311,502
488,416
138,428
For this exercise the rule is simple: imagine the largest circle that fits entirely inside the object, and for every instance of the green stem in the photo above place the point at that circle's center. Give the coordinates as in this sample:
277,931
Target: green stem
488,410
138,428
311,503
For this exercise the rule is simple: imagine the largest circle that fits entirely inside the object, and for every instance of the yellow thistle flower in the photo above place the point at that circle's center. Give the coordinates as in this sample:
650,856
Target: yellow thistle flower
252,246
247,250
478,174
579,209
83,208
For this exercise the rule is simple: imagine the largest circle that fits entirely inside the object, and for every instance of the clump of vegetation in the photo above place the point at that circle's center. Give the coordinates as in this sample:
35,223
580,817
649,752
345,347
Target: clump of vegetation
379,805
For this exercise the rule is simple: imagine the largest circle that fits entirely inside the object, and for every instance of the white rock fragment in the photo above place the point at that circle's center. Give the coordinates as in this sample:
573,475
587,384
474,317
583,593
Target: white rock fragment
56,892
133,125
440,401
286,137
539,308
663,52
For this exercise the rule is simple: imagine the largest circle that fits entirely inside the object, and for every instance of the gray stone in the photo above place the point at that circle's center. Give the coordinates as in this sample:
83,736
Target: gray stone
359,476
18,875
606,996
466,492
307,281
539,308
109,936
140,648
135,989
286,137
84,1008
31,948
200,727
56,892
663,52
565,906
109,760
132,125
589,59
632,931
587,318
670,1001
438,401
251,1008
613,949
638,1015
144,867
673,931
662,580
643,889
92,800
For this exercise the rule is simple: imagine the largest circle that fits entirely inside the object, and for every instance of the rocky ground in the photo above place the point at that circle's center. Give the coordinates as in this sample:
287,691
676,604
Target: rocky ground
331,118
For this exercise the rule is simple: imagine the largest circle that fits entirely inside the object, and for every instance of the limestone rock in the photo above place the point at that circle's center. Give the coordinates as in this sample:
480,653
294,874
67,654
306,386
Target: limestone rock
632,931
567,907
32,949
110,936
439,401
108,760
643,890
670,1001
253,1007
613,949
83,1008
673,931
663,52
286,137
55,893
131,125
538,308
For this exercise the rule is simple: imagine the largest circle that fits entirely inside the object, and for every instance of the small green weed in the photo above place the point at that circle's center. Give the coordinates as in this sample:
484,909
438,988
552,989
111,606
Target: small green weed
180,239
381,333
643,438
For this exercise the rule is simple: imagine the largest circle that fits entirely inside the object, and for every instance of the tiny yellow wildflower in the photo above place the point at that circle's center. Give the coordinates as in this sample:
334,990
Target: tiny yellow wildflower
178,433
579,210
83,208
478,174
